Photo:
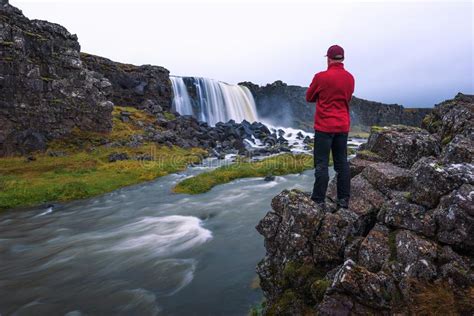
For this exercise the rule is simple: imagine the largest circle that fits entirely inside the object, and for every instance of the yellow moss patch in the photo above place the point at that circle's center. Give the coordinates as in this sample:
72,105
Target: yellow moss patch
81,175
276,165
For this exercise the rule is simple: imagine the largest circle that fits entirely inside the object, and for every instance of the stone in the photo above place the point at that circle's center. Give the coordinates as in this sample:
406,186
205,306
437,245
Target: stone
400,213
428,171
374,250
375,290
46,90
455,219
416,254
402,145
118,157
387,177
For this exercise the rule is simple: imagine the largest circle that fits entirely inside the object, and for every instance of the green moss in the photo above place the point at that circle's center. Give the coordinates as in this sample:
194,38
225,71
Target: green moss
351,151
6,43
169,116
318,288
368,153
377,129
392,243
276,165
446,140
284,303
257,310
47,79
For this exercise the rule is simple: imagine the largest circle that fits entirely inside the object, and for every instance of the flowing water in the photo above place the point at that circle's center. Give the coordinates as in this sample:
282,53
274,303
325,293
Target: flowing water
140,250
216,101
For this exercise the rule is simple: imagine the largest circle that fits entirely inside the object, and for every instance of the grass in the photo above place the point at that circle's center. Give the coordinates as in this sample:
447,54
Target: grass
84,170
82,175
440,299
276,165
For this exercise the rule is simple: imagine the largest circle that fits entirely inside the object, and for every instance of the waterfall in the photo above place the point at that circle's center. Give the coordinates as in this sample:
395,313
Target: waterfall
181,100
214,101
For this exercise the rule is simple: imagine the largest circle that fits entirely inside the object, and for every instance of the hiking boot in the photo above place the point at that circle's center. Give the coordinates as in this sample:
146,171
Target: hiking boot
343,203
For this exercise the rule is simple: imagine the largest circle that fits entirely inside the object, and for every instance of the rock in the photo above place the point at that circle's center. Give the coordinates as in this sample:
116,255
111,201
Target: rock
332,236
404,245
269,178
416,254
402,145
118,156
146,87
428,171
375,290
399,213
387,177
374,250
357,165
455,219
459,150
45,87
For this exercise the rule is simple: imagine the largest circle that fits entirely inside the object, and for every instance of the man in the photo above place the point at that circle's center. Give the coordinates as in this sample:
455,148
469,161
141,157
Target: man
331,90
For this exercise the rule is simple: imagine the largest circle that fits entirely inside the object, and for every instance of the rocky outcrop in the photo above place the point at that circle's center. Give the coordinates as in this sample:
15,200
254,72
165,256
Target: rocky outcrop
143,87
45,91
285,105
405,245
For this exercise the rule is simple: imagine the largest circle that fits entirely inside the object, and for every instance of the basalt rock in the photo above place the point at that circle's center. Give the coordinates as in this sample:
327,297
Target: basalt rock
145,87
403,246
45,91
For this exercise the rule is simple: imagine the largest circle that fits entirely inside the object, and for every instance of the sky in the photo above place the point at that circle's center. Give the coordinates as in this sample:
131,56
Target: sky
412,53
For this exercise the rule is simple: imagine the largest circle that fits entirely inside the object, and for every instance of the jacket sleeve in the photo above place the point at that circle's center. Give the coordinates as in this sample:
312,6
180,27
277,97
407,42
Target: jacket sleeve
313,90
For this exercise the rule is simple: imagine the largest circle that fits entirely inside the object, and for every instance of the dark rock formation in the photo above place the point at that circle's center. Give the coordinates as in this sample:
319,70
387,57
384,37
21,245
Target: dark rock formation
405,245
285,105
224,138
45,91
143,87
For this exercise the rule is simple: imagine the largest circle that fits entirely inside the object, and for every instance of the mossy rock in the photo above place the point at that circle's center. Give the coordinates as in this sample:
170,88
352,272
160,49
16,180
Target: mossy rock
318,289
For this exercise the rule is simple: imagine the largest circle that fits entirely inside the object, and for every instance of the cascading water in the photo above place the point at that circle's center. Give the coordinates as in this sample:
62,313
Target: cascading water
181,100
215,101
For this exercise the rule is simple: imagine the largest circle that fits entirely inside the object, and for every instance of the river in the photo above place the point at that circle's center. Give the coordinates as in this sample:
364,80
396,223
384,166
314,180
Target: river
140,250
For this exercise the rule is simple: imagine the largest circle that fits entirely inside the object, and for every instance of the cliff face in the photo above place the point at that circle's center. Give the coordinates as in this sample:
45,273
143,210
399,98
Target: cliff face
286,105
406,243
144,87
45,91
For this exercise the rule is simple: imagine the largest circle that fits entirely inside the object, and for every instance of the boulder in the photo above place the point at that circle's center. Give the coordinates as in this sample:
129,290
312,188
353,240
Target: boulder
374,250
429,171
455,219
402,145
387,177
400,213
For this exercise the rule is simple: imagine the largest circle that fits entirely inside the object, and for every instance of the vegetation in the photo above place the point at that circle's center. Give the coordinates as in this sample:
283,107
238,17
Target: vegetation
78,167
275,165
440,299
81,175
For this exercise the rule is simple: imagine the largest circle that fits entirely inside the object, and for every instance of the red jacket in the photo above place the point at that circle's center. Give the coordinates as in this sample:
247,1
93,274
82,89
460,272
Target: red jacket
332,89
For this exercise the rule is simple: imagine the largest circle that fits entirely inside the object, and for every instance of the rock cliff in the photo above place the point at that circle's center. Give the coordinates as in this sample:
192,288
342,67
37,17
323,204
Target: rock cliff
145,87
285,105
405,244
45,91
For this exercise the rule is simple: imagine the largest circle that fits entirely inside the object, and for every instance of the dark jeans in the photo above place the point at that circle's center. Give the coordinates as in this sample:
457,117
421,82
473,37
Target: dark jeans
323,144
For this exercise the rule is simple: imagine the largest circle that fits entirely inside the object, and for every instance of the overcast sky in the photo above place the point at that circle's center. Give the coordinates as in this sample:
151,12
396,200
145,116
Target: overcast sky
411,53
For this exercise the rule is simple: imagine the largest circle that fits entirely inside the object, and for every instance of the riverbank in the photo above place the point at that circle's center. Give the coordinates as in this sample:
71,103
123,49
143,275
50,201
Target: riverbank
269,167
85,174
